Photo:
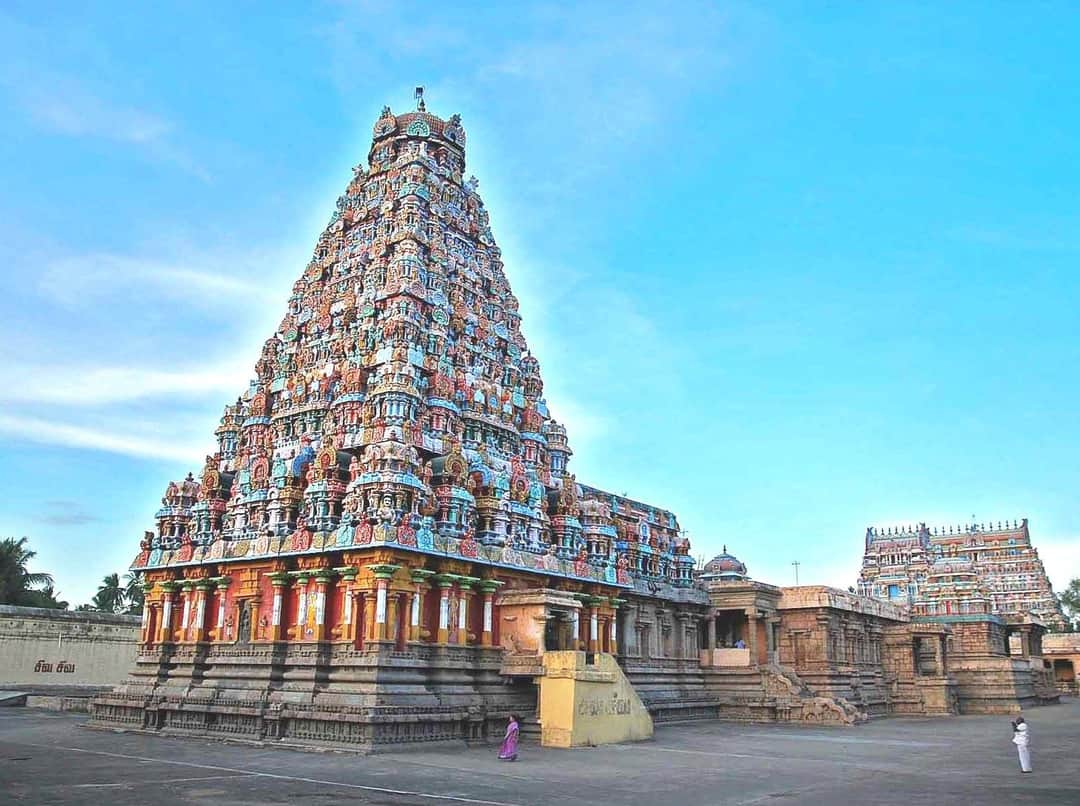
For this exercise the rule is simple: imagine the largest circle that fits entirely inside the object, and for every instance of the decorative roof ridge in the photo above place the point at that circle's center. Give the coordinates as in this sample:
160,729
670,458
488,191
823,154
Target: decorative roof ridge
909,530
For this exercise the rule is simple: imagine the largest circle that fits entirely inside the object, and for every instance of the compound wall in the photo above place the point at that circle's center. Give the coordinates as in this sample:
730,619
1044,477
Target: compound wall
46,651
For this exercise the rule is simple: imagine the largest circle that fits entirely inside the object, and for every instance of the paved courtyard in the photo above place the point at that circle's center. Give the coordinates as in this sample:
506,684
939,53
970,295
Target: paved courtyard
48,758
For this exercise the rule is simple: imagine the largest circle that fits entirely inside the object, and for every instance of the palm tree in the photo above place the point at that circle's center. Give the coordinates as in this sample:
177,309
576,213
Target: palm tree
110,594
15,578
46,597
133,593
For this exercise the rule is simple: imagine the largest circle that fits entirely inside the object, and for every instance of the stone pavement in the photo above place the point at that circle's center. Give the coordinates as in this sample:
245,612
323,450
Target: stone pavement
48,758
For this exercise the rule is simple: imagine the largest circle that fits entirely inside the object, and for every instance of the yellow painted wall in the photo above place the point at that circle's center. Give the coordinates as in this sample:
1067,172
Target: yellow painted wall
583,705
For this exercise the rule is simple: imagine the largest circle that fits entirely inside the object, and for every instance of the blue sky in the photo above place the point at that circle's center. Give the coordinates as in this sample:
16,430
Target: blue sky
790,269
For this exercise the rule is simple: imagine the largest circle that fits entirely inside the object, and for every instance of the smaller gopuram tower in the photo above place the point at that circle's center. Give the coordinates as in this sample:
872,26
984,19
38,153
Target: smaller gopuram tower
899,561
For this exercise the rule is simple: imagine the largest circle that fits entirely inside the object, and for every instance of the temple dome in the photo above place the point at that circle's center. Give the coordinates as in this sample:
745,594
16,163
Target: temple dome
724,566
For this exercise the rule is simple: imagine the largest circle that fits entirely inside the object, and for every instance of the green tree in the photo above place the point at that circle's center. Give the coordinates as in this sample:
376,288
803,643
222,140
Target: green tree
18,584
46,597
1070,603
133,594
110,595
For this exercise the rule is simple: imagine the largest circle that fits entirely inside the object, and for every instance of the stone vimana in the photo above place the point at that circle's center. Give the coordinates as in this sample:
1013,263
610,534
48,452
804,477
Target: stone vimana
388,546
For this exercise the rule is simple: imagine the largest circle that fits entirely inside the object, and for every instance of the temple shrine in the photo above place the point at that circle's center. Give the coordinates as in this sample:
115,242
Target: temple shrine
388,546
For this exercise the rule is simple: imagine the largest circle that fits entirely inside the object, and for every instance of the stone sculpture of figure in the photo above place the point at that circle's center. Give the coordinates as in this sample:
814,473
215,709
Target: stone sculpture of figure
385,512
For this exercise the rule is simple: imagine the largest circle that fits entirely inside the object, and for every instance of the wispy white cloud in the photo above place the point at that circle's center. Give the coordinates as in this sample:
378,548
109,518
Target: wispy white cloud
155,396
207,279
66,513
94,386
61,104
79,114
162,446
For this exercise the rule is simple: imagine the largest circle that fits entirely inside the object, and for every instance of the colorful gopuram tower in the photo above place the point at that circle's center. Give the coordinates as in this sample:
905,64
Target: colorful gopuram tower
388,537
899,562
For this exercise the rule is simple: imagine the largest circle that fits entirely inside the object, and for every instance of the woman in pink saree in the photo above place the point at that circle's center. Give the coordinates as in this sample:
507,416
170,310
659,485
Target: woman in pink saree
508,751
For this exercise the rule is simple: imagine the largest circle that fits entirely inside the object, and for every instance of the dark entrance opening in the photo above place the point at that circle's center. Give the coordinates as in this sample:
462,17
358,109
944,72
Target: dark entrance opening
243,627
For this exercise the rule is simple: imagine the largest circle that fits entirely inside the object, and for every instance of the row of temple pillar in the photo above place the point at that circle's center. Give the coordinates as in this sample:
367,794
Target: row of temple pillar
191,596
388,613
751,632
600,631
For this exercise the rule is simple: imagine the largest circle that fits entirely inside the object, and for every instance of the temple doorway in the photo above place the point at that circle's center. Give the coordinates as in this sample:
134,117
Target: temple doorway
152,623
551,635
243,626
557,629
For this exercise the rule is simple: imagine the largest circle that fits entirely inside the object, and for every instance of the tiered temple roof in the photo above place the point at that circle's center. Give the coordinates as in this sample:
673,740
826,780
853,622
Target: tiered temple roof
901,562
398,403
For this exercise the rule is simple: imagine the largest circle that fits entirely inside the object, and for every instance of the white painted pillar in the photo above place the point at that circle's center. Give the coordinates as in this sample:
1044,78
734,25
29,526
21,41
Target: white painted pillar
380,604
275,614
301,610
444,609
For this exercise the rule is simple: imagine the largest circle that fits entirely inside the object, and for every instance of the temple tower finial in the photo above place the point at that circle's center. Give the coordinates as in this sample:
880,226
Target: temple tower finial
420,105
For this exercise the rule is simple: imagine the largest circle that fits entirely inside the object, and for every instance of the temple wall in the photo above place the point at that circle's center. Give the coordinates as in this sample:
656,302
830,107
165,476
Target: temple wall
834,643
988,679
57,650
325,694
363,650
1061,651
916,671
658,650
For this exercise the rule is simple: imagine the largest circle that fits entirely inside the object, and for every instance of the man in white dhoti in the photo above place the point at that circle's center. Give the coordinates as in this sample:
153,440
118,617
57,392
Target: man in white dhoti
1021,737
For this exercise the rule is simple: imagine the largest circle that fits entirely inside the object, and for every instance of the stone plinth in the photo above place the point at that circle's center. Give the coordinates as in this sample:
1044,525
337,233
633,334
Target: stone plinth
585,704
